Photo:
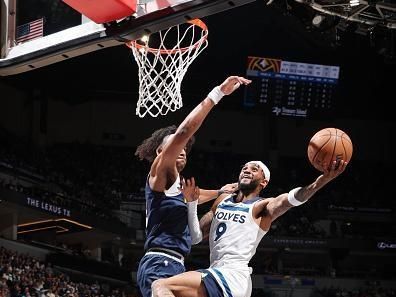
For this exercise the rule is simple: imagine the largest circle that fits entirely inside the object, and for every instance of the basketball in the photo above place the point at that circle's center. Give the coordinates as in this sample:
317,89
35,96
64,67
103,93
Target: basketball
328,145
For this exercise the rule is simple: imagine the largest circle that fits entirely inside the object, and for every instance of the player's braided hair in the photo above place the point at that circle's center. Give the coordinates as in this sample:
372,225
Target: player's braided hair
147,150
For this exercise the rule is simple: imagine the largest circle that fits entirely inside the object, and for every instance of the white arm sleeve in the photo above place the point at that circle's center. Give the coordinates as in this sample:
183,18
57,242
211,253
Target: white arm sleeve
193,223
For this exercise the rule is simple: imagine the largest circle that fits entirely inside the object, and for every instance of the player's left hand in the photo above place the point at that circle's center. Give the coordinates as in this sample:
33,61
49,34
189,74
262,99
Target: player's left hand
189,189
334,170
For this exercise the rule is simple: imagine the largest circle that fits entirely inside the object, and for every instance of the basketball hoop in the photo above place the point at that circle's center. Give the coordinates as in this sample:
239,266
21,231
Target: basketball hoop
163,59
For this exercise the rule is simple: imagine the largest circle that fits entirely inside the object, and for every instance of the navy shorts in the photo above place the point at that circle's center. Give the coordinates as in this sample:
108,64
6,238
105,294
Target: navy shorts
155,266
212,287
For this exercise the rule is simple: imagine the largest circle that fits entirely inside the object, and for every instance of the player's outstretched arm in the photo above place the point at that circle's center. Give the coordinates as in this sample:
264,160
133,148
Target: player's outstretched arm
208,195
191,191
193,121
278,206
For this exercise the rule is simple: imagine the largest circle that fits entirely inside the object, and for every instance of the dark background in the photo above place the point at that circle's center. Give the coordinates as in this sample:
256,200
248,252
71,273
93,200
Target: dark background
282,30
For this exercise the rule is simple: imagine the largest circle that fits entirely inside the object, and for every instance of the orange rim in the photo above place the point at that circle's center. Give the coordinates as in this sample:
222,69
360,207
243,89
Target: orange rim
196,22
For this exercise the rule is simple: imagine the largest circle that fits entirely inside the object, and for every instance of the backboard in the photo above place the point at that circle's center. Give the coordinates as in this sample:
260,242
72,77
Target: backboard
39,33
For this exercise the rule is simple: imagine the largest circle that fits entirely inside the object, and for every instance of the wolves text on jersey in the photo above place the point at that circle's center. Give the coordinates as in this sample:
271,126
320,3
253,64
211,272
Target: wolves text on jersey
236,217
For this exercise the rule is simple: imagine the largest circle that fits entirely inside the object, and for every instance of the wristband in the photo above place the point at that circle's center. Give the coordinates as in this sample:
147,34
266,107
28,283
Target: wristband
215,95
292,199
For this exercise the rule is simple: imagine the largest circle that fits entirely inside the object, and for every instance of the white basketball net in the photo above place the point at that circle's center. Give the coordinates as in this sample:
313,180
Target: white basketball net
162,69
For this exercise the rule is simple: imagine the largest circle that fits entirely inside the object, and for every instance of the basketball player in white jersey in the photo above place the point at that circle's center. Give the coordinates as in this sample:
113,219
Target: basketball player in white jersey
237,224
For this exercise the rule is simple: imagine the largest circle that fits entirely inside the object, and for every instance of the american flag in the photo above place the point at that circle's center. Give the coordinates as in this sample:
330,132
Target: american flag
29,31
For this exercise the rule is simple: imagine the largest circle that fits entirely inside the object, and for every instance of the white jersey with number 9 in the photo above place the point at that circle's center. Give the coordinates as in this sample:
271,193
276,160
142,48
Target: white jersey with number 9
234,235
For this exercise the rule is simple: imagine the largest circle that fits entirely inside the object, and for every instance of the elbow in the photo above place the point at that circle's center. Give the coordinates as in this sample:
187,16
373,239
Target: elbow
194,242
196,239
188,128
184,132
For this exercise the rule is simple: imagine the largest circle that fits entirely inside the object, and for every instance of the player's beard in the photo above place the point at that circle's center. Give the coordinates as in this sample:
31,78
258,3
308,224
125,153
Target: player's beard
247,188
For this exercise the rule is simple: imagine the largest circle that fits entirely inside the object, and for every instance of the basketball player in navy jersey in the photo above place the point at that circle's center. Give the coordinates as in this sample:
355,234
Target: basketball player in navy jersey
168,238
237,224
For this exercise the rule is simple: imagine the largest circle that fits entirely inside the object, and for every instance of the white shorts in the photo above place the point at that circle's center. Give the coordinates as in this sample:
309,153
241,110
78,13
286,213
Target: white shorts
230,282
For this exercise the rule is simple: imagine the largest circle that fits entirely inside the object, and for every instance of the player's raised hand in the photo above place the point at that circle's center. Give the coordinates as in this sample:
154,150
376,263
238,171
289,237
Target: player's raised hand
232,83
189,189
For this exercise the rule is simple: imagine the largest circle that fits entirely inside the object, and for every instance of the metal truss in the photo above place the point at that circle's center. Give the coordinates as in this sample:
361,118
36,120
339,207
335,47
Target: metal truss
371,13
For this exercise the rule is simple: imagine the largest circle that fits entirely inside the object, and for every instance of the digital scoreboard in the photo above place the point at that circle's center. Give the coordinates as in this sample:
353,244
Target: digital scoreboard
291,88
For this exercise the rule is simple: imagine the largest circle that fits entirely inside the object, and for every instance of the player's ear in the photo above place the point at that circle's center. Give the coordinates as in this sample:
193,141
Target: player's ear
264,183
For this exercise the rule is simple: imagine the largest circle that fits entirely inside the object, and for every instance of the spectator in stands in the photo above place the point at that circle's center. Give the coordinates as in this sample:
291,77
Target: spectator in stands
24,276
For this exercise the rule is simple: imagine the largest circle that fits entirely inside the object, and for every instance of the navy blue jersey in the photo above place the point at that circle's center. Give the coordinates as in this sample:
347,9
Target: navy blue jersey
167,220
